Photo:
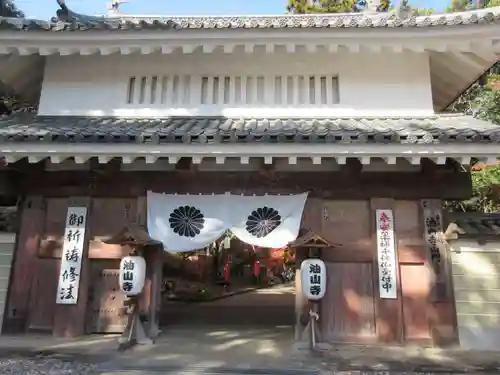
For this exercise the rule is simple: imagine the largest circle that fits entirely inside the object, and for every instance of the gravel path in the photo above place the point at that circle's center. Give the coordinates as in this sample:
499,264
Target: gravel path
47,365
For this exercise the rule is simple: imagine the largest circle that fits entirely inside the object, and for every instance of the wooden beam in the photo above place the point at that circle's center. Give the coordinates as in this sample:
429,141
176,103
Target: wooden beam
25,264
352,167
267,169
334,185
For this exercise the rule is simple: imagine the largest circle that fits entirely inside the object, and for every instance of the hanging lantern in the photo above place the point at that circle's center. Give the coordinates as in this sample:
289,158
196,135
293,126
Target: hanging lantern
132,275
313,278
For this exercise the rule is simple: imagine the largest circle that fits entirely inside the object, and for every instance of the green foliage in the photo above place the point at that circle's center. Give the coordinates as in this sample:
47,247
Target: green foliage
332,6
485,191
488,104
483,101
459,6
424,11
323,6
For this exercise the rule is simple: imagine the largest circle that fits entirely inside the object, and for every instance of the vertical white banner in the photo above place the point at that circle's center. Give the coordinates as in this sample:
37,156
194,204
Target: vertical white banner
386,253
71,258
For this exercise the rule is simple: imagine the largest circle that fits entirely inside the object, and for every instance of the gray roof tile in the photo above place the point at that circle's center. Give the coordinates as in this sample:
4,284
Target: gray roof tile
70,21
472,225
28,127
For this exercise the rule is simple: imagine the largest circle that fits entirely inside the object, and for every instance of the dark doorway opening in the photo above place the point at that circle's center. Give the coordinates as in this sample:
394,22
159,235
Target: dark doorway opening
231,284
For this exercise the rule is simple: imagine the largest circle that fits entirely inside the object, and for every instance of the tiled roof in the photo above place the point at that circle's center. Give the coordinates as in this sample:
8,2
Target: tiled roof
70,21
472,225
27,127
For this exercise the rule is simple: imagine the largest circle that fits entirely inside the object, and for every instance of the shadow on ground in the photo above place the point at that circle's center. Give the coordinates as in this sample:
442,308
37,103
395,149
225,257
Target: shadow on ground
251,350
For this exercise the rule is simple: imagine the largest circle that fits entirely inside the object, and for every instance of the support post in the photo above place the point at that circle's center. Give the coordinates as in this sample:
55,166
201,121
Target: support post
24,268
134,332
155,299
314,317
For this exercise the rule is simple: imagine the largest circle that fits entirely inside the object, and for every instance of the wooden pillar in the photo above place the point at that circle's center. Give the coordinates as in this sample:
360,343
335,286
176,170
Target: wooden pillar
69,320
140,219
300,300
442,314
150,301
389,315
311,219
155,300
24,264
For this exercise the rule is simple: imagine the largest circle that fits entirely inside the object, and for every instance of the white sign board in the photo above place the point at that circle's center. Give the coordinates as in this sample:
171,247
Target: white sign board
71,258
313,278
132,275
386,255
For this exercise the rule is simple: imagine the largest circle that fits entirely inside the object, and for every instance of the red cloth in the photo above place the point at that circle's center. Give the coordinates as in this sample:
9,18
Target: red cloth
256,268
227,272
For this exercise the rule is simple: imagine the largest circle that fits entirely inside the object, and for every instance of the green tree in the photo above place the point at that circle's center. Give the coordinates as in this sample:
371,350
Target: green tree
333,6
323,6
424,11
459,6
482,100
7,101
485,192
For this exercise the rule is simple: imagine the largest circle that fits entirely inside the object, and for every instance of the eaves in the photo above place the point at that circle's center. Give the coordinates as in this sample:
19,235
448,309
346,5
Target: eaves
488,31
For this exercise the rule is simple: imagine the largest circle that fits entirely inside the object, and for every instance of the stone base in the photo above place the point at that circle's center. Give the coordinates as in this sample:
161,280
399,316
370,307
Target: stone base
305,345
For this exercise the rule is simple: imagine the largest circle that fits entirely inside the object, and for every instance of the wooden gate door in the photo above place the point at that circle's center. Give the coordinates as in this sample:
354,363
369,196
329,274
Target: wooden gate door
105,307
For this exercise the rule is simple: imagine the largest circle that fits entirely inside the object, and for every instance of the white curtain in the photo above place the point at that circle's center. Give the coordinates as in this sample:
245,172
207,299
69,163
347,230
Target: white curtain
192,222
185,222
267,221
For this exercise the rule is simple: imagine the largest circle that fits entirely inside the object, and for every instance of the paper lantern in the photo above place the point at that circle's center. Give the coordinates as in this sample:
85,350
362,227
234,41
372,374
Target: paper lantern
313,278
132,275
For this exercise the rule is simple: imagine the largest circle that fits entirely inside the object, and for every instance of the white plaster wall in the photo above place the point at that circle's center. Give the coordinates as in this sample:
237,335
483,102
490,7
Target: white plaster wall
370,84
476,284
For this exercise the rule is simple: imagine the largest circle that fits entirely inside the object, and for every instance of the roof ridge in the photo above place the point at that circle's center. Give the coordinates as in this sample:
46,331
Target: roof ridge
33,113
452,114
212,130
66,16
124,16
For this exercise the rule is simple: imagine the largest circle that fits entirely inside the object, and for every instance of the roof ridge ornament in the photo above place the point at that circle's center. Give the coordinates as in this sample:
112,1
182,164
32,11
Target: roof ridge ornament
402,17
67,15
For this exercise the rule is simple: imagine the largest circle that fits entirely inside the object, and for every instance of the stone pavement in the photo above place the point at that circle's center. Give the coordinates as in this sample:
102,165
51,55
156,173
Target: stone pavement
213,350
269,306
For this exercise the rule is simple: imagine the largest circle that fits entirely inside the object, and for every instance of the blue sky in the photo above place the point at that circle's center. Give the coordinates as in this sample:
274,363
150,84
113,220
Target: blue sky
45,9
